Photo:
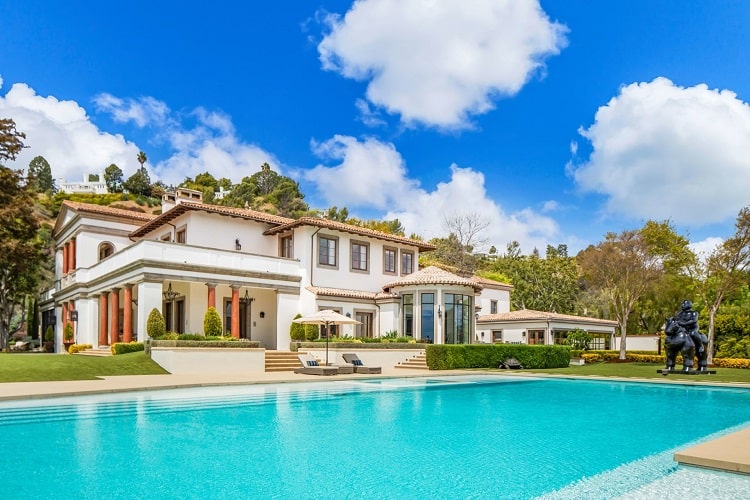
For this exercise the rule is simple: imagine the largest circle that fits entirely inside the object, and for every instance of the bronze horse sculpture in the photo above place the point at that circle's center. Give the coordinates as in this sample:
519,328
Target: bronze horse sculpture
680,341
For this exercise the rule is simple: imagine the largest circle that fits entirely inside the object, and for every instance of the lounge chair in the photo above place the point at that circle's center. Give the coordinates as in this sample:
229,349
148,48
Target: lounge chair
511,364
359,366
310,366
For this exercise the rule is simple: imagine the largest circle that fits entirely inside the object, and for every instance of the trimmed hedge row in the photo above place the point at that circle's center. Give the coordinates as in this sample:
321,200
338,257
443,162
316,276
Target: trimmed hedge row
732,363
452,357
250,344
78,348
123,348
295,346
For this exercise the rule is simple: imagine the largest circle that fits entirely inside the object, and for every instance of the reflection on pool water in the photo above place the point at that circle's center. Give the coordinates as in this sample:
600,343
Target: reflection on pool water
436,437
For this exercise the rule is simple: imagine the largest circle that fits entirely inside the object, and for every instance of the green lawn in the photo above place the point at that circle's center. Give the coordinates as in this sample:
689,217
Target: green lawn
38,367
647,370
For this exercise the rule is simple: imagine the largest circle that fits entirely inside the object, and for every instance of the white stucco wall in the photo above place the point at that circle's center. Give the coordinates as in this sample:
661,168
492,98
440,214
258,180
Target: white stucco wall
638,343
199,360
489,294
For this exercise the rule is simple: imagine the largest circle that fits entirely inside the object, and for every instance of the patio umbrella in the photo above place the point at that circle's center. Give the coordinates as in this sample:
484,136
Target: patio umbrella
326,317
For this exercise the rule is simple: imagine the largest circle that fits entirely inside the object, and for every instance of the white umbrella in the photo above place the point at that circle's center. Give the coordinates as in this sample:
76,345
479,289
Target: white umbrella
326,317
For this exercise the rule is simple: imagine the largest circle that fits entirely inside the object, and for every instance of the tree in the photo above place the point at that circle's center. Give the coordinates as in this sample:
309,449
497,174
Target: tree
20,249
212,323
724,271
11,142
113,178
155,325
139,183
468,229
266,179
623,267
40,175
449,252
141,157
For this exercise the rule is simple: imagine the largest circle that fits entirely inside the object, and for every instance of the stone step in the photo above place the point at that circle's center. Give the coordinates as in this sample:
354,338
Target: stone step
96,352
281,361
418,362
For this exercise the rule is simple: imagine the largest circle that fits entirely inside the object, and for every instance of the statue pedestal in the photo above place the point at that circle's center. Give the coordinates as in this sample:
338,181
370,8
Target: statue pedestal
691,372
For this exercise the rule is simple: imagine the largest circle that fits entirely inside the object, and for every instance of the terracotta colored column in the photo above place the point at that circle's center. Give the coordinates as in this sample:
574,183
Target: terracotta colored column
127,313
114,319
235,312
65,258
103,319
72,255
65,315
211,295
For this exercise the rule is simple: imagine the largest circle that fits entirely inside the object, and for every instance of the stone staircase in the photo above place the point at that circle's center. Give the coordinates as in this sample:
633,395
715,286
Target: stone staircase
101,351
418,362
281,361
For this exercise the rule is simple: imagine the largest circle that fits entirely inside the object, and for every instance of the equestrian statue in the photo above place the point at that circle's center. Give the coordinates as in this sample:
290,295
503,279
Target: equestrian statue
683,337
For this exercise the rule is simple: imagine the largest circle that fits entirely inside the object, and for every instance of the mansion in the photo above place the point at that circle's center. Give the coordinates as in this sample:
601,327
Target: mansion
114,266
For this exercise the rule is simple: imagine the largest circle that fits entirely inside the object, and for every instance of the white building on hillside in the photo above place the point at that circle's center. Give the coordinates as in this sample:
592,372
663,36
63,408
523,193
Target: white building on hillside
85,186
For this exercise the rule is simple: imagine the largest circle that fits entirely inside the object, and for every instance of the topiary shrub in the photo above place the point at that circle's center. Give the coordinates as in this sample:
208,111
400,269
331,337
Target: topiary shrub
49,334
155,326
68,332
123,348
212,323
297,330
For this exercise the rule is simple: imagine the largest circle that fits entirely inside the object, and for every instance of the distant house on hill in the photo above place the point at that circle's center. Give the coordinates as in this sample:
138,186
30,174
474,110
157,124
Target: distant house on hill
85,186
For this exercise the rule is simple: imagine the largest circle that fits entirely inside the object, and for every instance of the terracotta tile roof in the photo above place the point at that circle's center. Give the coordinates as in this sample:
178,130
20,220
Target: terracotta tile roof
352,294
531,315
433,276
491,283
184,207
104,210
349,228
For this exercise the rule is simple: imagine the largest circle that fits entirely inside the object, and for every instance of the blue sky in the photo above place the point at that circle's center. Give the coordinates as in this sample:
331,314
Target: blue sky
558,121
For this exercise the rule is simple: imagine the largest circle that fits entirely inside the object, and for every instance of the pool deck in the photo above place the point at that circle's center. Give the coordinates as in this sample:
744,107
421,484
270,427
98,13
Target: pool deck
729,453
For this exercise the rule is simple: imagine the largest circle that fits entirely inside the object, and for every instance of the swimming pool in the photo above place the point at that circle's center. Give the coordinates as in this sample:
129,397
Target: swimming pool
435,437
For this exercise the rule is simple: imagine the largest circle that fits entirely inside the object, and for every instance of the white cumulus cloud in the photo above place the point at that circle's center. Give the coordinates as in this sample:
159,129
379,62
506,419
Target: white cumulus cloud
372,174
439,62
63,133
661,151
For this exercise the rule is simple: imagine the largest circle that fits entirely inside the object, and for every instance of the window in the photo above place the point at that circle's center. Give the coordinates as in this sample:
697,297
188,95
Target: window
427,323
181,235
497,336
458,318
327,251
359,256
105,250
408,309
166,237
493,307
389,260
536,337
407,262
286,247
364,328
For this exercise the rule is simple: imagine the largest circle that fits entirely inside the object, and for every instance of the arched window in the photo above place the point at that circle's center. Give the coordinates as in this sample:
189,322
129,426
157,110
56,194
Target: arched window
105,250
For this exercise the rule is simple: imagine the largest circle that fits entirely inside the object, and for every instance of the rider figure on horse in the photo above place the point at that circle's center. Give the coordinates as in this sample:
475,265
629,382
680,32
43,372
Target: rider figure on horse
688,319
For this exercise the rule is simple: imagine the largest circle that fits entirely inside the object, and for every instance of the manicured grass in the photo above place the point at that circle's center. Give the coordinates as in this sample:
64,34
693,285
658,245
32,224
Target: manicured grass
38,367
647,370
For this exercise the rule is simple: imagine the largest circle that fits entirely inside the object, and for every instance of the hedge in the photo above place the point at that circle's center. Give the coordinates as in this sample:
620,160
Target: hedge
123,348
249,344
452,357
78,348
732,363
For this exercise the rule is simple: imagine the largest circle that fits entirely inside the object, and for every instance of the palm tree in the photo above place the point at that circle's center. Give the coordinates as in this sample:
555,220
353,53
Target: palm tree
141,158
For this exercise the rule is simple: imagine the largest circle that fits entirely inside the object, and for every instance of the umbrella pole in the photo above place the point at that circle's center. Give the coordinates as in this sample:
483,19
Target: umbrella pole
328,333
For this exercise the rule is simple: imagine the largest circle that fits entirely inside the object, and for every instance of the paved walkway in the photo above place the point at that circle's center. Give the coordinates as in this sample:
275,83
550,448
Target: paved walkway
729,453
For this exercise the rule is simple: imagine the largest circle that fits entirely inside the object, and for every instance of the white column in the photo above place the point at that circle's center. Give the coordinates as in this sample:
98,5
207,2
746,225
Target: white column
149,297
88,321
287,307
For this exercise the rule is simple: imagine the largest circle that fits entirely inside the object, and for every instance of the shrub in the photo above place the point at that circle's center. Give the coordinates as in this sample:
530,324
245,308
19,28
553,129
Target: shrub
123,348
578,339
78,348
155,326
68,332
451,357
212,323
590,357
49,334
735,348
732,363
297,330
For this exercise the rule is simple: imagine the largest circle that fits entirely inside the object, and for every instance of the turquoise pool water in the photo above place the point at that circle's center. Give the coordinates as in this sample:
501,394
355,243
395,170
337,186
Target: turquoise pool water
452,437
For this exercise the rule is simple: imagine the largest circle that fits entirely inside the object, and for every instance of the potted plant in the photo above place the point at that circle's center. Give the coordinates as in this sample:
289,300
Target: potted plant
68,336
49,339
